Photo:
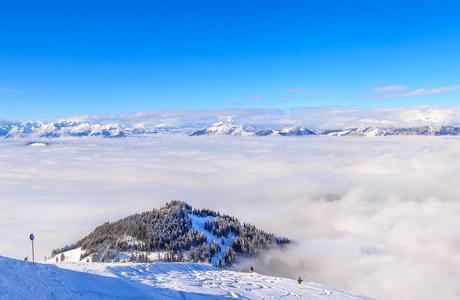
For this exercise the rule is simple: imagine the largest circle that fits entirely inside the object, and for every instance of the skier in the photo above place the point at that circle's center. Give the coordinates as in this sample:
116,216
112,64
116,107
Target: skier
300,282
57,259
26,258
252,270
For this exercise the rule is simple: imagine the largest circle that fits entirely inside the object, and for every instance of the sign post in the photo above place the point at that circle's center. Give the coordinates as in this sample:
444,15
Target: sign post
32,239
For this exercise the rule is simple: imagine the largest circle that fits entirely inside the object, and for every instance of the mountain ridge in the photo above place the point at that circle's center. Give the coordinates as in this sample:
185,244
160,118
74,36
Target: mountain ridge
84,128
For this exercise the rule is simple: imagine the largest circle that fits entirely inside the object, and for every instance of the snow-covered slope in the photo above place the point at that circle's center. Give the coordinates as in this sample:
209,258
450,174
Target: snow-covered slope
198,225
23,280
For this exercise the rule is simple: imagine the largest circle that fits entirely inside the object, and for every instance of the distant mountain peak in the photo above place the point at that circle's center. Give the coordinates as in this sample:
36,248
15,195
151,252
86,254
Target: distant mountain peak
221,128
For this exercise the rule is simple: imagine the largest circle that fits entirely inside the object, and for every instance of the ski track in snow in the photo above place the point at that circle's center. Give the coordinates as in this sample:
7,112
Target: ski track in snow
216,283
67,280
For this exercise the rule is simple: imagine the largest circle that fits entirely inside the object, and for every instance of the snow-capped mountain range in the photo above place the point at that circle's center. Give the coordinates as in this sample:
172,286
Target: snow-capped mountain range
70,128
222,128
80,128
381,131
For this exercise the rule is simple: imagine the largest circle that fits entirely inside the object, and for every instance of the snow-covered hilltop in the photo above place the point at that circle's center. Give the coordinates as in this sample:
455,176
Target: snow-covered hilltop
176,232
23,280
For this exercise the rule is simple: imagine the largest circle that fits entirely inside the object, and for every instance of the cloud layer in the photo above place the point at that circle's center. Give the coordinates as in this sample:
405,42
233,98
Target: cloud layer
417,92
309,117
374,216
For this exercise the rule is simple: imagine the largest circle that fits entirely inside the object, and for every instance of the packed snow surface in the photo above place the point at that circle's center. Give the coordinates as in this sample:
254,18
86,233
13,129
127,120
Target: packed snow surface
67,280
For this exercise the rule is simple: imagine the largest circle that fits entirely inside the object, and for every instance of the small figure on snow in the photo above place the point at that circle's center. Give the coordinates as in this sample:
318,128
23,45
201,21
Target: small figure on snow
26,258
252,270
300,282
116,259
57,259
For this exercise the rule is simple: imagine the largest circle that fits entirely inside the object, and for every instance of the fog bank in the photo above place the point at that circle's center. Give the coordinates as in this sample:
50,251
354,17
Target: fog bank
377,216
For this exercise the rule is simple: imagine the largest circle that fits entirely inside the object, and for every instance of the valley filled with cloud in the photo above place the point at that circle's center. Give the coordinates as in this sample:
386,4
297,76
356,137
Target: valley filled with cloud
376,216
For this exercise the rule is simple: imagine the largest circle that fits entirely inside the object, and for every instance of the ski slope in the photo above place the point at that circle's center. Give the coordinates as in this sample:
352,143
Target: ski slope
198,225
68,280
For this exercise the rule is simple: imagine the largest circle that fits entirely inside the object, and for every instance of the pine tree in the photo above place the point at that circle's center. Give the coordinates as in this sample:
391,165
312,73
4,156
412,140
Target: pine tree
220,262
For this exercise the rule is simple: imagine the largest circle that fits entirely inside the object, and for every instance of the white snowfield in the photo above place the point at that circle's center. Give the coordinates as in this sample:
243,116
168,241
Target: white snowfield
67,280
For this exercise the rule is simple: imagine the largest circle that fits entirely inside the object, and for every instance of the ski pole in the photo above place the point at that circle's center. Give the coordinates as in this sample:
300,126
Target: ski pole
6,230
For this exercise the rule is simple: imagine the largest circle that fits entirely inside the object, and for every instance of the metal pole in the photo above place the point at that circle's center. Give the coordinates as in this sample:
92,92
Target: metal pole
32,239
105,251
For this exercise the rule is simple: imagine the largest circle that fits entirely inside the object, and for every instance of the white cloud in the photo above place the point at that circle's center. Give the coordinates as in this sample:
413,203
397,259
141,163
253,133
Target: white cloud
422,92
382,213
256,97
295,90
391,88
310,117
286,99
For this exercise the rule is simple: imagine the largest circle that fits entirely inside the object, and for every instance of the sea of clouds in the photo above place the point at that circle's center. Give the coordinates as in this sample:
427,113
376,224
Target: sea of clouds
309,117
377,216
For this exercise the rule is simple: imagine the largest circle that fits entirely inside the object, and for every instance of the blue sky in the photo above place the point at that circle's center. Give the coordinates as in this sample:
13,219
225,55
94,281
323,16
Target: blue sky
109,57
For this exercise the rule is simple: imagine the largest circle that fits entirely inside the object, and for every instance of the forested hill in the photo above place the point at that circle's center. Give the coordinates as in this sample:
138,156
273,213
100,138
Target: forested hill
181,233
